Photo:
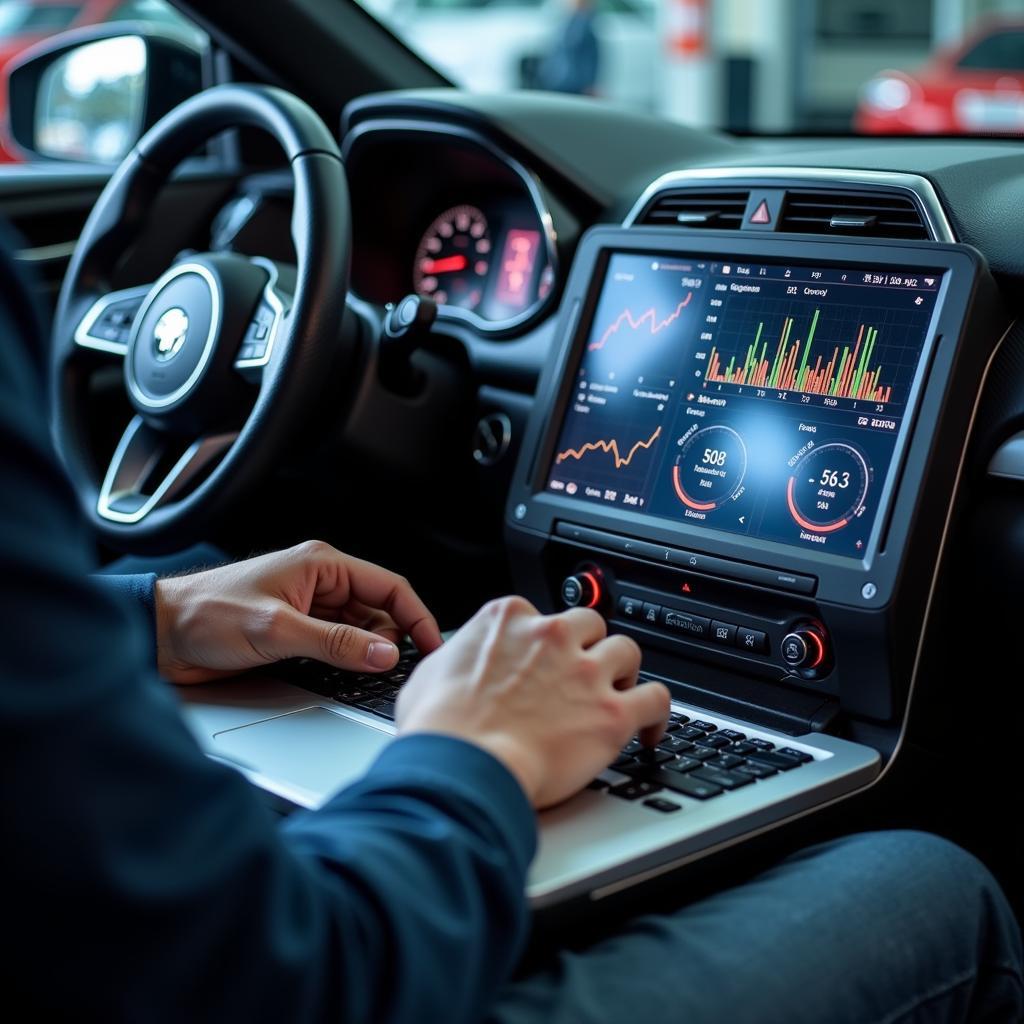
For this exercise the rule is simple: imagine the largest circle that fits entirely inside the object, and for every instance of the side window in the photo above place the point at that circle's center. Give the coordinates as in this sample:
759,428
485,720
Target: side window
24,23
1001,51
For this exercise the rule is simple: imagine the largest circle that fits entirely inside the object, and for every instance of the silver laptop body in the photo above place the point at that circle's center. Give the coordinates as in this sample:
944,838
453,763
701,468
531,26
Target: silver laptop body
300,748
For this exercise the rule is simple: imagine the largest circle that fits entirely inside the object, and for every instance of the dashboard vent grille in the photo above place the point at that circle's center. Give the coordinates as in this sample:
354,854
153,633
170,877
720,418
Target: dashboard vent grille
870,213
696,208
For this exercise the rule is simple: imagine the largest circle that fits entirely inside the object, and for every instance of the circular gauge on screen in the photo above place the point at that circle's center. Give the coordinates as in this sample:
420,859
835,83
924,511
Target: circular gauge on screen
453,258
709,468
828,487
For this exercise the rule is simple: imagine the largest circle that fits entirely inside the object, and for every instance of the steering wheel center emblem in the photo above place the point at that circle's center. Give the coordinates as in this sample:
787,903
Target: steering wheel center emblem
170,333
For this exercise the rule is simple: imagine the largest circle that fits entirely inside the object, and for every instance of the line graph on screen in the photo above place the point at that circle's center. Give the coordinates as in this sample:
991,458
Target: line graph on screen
610,447
635,323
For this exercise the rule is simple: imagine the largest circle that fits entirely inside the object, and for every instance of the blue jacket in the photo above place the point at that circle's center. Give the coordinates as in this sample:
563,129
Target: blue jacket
144,882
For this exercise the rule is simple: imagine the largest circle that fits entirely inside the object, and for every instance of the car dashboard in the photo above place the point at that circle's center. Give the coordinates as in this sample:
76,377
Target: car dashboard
845,367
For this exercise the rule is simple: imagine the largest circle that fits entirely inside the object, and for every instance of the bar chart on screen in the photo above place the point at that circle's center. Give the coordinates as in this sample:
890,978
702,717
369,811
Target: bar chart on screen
858,355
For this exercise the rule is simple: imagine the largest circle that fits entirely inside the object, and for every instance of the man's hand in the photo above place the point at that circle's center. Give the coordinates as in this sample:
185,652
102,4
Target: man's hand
552,697
309,601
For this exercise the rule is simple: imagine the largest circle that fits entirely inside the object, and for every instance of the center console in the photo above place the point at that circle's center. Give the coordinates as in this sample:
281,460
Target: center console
744,453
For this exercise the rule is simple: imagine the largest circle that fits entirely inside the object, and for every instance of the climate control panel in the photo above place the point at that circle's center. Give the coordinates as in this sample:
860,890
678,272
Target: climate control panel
732,621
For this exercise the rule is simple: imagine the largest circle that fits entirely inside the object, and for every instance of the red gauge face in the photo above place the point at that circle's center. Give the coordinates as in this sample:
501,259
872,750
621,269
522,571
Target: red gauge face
453,258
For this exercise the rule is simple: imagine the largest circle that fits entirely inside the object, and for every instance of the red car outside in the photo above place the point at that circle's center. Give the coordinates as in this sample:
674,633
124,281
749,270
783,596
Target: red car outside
974,88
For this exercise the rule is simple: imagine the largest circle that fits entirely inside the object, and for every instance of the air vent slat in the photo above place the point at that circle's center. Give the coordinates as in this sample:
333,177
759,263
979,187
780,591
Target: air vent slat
696,208
881,212
832,212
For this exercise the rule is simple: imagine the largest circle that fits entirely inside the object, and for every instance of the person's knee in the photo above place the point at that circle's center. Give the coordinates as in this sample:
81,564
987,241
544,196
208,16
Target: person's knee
920,858
901,860
923,874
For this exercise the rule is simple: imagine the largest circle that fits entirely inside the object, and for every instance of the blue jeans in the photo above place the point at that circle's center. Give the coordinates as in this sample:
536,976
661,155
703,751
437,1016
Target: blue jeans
878,927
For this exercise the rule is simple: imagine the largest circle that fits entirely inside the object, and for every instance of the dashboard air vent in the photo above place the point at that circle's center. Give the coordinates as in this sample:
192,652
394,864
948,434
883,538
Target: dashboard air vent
696,208
870,213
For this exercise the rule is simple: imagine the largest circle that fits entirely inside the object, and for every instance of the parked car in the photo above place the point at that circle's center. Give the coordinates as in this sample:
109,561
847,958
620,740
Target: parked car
976,87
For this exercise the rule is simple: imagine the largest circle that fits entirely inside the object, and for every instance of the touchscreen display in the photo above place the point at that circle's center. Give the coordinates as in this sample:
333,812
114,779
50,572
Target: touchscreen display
761,399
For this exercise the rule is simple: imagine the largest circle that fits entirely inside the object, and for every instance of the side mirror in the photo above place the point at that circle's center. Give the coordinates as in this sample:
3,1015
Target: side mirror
90,95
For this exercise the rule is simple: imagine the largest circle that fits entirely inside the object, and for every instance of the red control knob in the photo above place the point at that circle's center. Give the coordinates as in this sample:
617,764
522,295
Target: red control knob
805,648
581,590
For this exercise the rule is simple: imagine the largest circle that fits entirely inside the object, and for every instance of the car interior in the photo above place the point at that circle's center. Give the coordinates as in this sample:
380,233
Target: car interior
757,399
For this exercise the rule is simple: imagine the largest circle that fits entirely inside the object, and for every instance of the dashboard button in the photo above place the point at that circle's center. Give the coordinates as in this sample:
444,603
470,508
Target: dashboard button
651,612
641,549
723,632
683,622
804,648
691,560
794,649
792,581
751,640
582,590
630,608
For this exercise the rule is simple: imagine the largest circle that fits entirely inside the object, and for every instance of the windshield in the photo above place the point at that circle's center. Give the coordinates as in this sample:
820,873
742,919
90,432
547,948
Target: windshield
876,67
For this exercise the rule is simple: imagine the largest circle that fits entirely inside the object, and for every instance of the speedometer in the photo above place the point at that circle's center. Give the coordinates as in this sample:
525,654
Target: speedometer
453,258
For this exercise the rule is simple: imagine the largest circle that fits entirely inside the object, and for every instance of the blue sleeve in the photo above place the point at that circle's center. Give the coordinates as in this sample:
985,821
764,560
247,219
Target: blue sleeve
138,587
147,882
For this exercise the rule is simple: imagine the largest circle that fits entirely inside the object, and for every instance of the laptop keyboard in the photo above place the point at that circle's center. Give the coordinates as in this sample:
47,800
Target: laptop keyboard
696,758
375,693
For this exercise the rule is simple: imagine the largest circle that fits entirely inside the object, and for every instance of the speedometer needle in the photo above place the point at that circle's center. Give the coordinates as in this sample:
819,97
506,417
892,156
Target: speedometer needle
446,266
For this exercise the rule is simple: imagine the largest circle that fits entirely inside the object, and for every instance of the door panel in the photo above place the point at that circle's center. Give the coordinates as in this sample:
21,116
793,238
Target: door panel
47,205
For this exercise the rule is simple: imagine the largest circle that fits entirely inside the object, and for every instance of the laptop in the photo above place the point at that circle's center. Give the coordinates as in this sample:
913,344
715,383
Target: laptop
730,457
646,811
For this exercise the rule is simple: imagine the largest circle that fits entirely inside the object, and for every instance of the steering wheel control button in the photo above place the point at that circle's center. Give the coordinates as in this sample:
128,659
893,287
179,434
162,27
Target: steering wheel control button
257,334
114,323
751,640
804,648
689,625
723,632
630,608
581,590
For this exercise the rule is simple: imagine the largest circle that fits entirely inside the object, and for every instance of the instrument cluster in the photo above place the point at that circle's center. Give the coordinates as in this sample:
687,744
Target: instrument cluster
449,217
495,266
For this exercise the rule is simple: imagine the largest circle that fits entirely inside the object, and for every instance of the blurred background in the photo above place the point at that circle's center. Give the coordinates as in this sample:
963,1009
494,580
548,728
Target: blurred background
934,67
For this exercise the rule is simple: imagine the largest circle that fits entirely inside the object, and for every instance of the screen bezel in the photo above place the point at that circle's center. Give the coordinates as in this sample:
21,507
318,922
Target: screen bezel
532,506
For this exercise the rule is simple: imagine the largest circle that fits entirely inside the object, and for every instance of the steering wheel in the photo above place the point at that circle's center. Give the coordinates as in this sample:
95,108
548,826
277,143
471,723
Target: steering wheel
223,355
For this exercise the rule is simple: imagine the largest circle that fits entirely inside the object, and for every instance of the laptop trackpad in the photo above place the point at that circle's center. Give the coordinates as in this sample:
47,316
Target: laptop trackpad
313,749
